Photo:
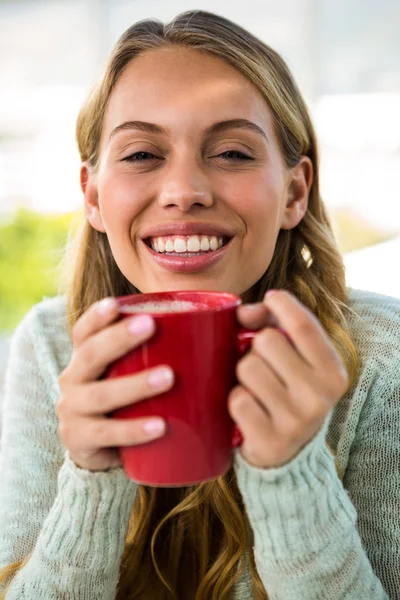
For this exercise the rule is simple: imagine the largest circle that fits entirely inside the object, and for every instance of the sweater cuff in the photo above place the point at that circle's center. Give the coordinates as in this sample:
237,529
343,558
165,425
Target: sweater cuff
294,509
89,519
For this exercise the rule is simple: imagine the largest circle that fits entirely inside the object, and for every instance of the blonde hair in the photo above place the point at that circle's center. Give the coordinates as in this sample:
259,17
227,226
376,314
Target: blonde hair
206,527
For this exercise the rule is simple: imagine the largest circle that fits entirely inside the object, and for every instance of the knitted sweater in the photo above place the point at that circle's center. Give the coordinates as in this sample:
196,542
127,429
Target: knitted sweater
315,537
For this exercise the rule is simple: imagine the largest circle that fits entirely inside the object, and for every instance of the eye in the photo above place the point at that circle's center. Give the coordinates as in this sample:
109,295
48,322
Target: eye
234,155
141,156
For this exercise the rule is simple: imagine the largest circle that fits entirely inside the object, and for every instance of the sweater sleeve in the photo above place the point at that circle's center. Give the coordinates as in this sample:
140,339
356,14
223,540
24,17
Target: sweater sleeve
306,542
71,523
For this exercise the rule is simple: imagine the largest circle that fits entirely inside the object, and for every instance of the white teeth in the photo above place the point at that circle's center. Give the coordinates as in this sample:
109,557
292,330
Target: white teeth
193,244
213,243
180,245
205,244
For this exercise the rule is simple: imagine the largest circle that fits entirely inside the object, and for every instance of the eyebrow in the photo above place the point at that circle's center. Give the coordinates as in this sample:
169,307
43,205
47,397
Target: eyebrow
212,130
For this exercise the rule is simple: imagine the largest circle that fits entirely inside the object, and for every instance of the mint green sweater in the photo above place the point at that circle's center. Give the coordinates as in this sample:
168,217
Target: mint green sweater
314,537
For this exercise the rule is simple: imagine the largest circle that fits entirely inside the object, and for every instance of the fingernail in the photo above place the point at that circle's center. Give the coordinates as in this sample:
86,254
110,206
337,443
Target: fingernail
270,293
140,325
154,427
161,377
256,305
106,305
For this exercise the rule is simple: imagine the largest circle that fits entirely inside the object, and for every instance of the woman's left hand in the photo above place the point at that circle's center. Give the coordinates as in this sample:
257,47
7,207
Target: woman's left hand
286,388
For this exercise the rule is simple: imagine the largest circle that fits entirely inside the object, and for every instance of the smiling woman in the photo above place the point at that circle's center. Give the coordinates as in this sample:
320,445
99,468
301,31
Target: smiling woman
200,171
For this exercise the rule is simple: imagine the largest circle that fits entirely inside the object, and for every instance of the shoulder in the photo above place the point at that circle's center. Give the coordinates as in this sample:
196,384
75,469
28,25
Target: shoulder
47,318
375,325
374,306
50,314
45,329
373,399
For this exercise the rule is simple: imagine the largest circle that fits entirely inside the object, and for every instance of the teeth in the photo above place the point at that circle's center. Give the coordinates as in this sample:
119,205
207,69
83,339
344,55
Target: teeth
213,243
183,244
205,244
180,245
193,244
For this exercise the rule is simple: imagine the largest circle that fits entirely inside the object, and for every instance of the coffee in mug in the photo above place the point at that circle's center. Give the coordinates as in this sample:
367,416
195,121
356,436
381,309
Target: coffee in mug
165,306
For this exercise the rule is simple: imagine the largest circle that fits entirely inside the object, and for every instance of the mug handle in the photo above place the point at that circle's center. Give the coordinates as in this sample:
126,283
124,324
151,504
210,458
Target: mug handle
245,337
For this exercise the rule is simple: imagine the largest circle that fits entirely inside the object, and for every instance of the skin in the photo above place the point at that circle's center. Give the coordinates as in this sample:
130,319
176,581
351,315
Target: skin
287,383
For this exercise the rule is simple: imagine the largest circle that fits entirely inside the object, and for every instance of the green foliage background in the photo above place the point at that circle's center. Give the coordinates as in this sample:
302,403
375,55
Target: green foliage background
31,248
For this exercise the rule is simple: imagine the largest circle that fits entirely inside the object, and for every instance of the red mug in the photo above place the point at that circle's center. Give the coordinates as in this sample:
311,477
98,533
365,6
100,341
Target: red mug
202,344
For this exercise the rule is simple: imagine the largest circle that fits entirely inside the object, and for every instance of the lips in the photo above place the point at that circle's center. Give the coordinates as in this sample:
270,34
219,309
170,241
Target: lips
188,262
188,228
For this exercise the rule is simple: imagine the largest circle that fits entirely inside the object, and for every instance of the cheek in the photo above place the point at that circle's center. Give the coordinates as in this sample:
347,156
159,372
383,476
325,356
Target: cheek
259,202
119,199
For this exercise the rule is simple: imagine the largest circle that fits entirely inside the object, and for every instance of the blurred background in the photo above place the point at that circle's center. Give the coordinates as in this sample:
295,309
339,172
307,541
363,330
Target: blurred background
345,56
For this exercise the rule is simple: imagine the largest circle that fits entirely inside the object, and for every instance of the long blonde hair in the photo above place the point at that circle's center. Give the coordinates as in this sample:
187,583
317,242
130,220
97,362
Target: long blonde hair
193,542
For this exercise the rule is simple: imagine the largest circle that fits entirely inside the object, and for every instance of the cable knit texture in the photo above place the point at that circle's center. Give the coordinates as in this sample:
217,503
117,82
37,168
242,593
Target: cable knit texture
315,537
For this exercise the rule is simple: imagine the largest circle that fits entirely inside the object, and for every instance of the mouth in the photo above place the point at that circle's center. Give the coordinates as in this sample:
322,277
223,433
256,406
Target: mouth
187,253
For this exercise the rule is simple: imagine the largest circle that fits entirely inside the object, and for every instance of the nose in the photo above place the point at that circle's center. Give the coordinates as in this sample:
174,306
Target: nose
185,186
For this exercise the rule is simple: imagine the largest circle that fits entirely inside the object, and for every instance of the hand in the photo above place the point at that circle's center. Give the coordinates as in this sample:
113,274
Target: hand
287,385
89,435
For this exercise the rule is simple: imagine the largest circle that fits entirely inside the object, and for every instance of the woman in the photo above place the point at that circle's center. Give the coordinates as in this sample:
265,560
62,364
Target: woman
198,131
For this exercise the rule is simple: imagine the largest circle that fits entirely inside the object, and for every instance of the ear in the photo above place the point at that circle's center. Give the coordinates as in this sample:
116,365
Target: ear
88,179
299,185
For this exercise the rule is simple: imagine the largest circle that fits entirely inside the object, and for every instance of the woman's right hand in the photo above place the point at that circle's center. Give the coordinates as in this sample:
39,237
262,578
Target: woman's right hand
89,435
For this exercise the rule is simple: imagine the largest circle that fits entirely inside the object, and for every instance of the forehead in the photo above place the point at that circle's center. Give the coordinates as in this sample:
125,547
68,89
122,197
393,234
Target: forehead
180,85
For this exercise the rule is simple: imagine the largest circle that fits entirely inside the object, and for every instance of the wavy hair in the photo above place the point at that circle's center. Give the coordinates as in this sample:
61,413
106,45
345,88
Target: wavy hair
196,542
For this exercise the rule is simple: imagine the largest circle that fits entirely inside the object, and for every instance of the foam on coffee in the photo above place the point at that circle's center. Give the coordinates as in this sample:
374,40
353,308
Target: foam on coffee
163,306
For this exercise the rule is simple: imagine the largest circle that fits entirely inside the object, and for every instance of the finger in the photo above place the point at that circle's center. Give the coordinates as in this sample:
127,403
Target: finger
105,396
93,434
90,360
275,350
282,382
255,316
254,422
304,330
256,376
98,316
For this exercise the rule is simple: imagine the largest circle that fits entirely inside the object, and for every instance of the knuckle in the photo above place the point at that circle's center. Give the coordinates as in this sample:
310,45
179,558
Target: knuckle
77,329
98,432
303,324
64,377
60,406
66,432
243,367
87,354
238,400
265,339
